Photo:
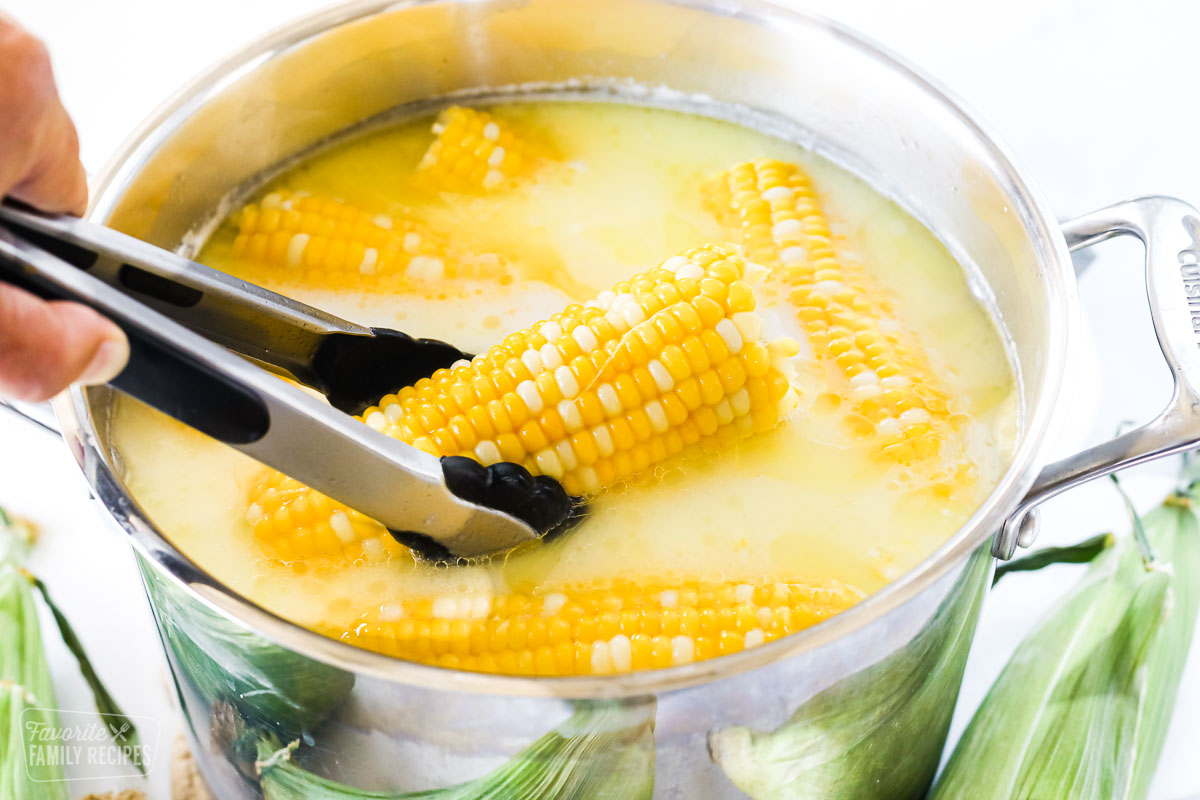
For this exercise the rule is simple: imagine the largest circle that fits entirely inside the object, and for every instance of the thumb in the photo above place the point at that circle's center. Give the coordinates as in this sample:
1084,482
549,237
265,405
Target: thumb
44,347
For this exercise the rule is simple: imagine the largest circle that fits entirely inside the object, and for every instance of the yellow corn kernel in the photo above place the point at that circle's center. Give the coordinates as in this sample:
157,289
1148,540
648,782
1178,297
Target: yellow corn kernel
773,208
294,237
589,427
475,152
622,626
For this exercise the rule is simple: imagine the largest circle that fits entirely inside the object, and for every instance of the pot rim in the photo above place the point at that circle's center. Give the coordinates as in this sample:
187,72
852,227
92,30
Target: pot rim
1037,424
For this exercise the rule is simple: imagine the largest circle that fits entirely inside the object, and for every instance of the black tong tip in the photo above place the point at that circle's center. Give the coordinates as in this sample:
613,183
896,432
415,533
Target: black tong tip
541,502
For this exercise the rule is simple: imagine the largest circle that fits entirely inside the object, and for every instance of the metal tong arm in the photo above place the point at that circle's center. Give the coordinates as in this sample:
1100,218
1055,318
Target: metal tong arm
258,323
205,386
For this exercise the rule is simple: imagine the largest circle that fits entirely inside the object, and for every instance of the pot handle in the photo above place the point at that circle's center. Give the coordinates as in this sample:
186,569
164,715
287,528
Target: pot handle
1170,230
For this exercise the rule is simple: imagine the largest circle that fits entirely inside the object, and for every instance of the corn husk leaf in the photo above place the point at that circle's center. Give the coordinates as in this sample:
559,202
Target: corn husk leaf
1082,708
876,734
27,700
120,727
1081,553
604,751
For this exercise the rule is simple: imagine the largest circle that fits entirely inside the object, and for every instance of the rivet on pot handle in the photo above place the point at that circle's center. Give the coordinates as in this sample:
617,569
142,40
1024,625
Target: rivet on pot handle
1170,230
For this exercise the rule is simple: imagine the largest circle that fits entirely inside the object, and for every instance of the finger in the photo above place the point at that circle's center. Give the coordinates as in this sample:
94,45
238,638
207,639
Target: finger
56,182
39,147
44,347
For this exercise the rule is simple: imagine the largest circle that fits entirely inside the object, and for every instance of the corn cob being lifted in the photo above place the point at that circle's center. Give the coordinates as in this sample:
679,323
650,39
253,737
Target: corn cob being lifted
327,243
672,358
620,626
895,395
474,152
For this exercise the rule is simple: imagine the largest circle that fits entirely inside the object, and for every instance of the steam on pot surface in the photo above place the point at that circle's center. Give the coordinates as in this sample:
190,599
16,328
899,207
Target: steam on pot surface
774,387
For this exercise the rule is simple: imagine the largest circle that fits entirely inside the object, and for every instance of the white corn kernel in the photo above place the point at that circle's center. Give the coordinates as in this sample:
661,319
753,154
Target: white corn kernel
589,479
662,378
675,263
585,337
889,426
532,361
446,607
609,401
341,526
601,658
567,383
369,259
683,650
793,255
739,401
658,416
749,325
566,455
551,356
572,419
730,335
487,452
553,603
528,392
621,652
295,251
391,612
629,308
548,463
786,228
604,442
605,299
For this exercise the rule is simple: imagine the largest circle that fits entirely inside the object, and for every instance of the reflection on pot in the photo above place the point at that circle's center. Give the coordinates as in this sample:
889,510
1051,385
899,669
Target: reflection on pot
604,750
875,734
246,686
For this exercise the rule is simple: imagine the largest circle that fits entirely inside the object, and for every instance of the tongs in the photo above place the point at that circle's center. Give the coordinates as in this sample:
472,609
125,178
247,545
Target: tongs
180,317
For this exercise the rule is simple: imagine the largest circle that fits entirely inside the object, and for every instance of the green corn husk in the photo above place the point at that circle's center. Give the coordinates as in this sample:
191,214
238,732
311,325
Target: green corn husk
29,722
26,695
875,735
1083,552
1082,708
604,751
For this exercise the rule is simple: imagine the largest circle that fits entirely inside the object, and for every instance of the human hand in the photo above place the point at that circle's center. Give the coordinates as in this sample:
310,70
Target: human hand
44,346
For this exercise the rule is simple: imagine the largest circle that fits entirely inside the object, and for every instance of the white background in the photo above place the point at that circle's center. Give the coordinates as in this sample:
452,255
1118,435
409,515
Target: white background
1097,99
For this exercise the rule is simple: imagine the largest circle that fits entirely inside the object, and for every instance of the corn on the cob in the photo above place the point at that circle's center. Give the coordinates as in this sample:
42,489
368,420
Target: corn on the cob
475,152
328,243
671,358
615,627
850,322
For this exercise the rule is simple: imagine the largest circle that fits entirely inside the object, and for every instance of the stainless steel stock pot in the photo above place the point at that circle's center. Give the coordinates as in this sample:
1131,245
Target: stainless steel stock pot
856,707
